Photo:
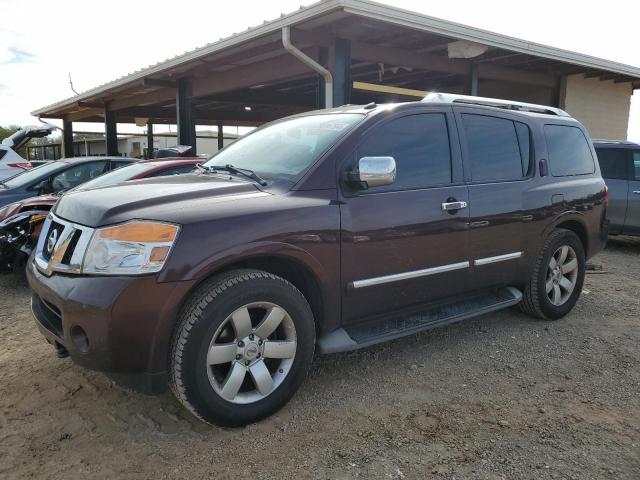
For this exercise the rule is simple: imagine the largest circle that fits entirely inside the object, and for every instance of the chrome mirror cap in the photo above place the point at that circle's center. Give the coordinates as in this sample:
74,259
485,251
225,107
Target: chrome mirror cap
377,171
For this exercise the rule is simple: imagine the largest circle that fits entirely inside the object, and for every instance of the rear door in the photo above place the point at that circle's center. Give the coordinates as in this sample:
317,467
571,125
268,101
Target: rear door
615,167
632,220
497,159
399,247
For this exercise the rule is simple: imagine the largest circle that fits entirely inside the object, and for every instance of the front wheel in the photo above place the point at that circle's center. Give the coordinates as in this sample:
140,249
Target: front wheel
558,275
243,346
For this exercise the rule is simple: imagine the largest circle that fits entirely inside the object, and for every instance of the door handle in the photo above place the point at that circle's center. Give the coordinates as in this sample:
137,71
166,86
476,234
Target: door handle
453,206
637,192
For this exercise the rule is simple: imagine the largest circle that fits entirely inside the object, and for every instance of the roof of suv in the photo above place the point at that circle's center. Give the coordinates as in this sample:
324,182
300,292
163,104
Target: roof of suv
616,144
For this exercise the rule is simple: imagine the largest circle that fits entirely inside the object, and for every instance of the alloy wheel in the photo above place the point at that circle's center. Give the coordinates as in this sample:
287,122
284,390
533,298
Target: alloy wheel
251,353
562,275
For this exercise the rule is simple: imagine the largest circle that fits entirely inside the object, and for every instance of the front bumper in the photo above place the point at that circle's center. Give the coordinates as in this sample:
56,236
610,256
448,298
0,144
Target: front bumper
118,325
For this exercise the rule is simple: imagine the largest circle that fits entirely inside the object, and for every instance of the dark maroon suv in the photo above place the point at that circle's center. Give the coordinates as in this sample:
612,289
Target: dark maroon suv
327,231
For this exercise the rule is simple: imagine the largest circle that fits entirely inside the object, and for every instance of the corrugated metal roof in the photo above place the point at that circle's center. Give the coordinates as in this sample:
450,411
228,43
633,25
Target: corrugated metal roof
368,9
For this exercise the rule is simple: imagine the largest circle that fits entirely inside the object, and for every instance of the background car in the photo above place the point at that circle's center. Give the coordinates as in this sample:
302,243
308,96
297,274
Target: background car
21,222
11,163
55,177
620,166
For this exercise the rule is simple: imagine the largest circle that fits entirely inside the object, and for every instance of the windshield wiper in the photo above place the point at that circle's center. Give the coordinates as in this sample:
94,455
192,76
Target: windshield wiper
245,172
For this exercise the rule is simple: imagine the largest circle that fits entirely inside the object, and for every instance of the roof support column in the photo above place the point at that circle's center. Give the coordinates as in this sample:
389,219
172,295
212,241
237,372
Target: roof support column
220,136
67,139
471,87
341,71
184,114
321,97
149,139
111,130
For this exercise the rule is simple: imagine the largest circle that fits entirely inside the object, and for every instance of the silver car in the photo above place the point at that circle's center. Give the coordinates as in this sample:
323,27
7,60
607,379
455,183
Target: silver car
620,167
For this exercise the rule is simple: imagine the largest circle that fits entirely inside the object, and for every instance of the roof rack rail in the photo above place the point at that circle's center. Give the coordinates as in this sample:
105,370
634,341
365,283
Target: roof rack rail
494,102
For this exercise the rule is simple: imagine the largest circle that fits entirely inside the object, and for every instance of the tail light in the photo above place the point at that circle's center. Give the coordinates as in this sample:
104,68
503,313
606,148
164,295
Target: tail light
606,196
23,165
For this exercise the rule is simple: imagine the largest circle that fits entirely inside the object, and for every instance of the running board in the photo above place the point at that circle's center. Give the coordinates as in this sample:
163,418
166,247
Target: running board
362,335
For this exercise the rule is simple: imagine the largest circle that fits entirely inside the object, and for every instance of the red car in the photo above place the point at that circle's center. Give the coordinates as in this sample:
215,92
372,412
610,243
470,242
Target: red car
20,222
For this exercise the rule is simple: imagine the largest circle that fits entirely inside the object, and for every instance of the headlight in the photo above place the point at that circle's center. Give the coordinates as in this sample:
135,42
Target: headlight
131,248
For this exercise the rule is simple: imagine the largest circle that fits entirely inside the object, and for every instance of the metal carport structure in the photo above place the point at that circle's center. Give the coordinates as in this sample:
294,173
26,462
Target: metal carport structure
363,50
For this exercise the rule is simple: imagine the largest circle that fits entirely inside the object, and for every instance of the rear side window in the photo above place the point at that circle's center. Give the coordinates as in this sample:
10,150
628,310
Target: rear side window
2,153
420,145
569,152
614,163
499,149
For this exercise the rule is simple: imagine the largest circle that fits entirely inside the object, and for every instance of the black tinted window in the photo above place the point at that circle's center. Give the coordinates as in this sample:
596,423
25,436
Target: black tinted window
636,165
420,146
2,153
494,150
614,162
569,152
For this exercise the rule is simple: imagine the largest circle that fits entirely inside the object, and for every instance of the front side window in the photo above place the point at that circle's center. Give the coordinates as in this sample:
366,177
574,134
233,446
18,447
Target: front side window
498,149
569,152
614,162
420,146
286,150
74,176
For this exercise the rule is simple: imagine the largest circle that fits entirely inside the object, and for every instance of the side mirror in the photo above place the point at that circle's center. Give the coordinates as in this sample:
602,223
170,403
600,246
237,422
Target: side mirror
375,172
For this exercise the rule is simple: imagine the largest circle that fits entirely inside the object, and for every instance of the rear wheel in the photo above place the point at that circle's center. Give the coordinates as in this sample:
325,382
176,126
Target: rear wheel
558,276
243,347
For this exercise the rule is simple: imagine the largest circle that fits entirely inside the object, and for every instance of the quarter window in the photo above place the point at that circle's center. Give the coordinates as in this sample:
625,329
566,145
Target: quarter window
569,152
614,163
498,149
419,144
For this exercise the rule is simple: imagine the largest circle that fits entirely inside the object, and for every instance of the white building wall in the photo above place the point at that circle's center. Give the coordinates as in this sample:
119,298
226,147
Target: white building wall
601,106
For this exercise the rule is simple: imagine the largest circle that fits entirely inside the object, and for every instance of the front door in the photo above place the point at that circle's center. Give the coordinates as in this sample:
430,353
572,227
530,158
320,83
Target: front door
400,248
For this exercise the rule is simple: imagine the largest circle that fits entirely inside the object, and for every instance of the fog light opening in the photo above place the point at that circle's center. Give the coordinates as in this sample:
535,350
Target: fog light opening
80,339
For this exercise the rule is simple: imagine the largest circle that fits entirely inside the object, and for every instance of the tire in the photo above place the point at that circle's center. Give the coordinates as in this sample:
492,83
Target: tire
209,328
537,301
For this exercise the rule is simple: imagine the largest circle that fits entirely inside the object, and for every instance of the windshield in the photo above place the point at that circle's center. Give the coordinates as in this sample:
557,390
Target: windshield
120,175
32,175
286,150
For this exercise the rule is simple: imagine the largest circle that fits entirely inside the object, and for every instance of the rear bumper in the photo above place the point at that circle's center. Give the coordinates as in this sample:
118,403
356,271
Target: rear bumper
118,325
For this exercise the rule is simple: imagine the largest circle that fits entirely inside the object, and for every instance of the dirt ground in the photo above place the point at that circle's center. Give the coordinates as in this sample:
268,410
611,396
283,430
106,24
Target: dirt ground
502,396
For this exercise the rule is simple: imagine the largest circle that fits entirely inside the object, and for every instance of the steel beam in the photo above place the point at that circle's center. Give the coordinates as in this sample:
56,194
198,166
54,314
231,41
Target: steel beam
184,115
220,136
149,139
471,87
111,131
341,71
67,139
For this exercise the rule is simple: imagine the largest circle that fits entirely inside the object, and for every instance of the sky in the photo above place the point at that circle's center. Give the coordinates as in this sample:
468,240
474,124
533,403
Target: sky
42,42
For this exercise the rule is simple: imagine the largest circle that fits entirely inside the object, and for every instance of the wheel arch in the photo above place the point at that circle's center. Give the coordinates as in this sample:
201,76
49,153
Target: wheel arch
293,264
574,222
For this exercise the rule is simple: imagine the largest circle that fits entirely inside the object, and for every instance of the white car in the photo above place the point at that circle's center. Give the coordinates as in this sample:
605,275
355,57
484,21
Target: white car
10,162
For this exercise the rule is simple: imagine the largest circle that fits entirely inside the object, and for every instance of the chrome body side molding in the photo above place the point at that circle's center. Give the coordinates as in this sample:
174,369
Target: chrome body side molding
368,282
498,258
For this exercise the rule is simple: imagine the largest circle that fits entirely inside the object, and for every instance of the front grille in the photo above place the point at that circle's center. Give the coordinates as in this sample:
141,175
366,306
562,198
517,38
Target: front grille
61,246
58,229
48,314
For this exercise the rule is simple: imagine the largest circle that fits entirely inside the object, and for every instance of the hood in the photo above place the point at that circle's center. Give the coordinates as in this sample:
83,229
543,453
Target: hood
164,198
34,203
